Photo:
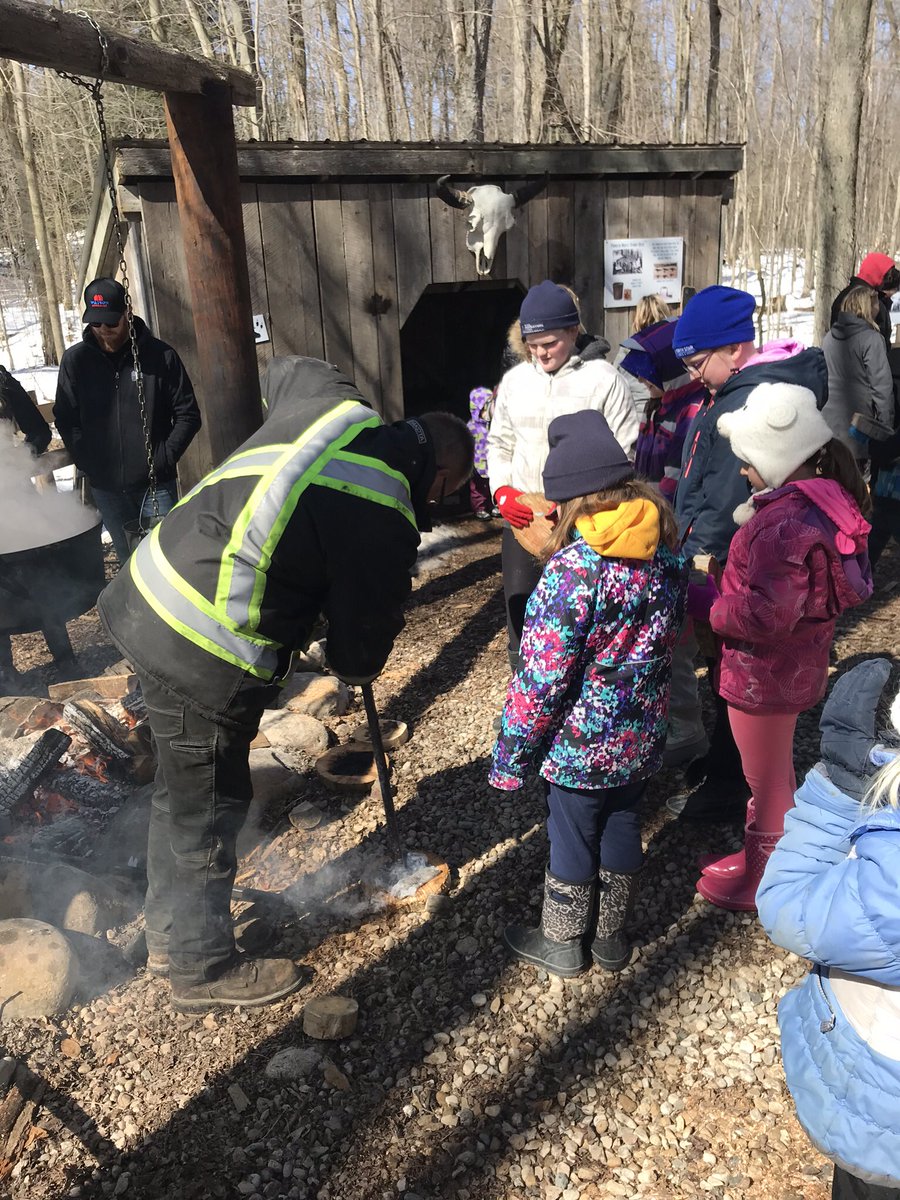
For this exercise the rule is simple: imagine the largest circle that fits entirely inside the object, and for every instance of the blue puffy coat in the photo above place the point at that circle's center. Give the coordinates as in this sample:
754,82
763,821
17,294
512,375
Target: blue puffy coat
831,893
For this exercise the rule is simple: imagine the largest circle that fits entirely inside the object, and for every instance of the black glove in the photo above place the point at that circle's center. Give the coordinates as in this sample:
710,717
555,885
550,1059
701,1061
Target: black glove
848,726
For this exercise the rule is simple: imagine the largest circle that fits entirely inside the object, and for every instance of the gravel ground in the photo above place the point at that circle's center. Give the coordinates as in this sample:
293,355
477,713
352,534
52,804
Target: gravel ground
469,1076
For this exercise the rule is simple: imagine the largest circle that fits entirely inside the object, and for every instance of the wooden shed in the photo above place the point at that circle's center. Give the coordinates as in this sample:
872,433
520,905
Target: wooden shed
354,258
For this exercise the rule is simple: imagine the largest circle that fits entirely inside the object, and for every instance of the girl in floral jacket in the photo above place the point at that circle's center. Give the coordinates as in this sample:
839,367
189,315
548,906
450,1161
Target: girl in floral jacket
796,563
588,702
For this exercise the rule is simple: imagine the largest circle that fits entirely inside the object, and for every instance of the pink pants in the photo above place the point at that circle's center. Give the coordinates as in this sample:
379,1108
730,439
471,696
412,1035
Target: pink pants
766,745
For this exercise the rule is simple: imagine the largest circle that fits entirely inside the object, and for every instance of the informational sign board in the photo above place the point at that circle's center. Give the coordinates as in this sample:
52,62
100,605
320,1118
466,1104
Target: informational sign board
638,267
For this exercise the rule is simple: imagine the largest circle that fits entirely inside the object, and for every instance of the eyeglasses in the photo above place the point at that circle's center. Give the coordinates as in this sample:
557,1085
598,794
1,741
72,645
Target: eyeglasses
696,368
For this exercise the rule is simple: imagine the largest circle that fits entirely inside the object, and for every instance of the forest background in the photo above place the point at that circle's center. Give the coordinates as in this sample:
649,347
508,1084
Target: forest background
811,87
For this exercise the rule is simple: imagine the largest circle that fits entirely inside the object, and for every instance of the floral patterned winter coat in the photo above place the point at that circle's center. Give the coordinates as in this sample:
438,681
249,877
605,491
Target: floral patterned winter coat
588,702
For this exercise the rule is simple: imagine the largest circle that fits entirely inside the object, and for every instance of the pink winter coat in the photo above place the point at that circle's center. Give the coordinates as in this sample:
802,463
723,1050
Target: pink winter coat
793,568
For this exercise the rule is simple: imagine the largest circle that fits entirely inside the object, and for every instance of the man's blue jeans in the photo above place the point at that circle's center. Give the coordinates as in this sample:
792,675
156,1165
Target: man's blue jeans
118,508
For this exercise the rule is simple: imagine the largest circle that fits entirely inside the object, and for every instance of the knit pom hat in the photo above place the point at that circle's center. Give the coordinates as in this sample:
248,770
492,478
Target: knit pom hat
716,316
547,306
650,355
584,457
777,430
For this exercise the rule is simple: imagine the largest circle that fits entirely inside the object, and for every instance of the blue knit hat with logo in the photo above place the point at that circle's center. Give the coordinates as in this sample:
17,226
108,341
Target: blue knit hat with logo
547,306
584,457
717,316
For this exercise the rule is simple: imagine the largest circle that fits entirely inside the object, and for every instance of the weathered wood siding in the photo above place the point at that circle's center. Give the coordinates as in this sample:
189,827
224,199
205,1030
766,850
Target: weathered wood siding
338,267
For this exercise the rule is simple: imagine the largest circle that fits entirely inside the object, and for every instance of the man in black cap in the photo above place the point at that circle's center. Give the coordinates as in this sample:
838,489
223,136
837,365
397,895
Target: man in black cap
98,412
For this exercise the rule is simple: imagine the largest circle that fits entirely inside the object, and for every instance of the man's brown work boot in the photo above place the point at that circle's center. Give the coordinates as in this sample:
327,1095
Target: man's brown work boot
250,982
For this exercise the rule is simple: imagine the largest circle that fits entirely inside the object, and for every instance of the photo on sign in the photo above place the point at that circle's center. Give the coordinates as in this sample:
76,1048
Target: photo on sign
628,262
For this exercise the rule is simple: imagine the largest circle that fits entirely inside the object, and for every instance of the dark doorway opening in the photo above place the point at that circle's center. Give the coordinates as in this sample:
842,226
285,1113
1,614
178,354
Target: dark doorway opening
453,341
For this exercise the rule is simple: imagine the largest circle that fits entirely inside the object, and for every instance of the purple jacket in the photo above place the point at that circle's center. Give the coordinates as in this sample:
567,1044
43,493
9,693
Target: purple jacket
793,568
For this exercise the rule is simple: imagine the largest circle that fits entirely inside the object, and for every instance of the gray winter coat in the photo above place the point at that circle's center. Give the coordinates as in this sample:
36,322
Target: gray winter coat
859,377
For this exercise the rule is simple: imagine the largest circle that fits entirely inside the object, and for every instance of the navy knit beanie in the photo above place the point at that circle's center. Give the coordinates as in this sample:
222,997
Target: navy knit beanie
717,316
584,457
547,306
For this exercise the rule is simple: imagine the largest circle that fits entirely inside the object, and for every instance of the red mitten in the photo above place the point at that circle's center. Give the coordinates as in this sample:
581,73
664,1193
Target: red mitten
509,501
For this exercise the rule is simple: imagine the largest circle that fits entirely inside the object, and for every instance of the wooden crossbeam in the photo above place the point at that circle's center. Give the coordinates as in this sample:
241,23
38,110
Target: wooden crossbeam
62,41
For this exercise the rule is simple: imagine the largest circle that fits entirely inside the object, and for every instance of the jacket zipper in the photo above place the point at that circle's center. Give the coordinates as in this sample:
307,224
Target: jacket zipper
825,1026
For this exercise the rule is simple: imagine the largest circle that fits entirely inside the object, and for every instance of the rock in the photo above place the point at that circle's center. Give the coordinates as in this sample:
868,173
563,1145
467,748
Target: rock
66,897
316,695
295,1062
295,730
467,946
312,659
272,780
38,970
306,815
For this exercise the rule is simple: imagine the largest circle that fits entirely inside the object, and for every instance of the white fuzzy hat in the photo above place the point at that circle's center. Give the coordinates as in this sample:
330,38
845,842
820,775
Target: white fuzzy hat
777,430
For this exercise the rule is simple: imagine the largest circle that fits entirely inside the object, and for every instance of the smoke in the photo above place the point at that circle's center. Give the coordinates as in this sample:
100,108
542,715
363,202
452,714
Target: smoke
31,518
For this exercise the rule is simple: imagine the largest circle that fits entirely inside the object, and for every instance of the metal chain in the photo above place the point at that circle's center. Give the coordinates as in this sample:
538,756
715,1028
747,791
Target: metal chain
95,88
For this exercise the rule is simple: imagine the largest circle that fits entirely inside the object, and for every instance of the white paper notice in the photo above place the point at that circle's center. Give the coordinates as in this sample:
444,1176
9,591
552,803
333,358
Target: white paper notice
637,267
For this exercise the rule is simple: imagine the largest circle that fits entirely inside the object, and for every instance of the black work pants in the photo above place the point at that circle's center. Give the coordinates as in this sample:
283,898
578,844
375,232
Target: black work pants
885,525
848,1187
521,573
200,802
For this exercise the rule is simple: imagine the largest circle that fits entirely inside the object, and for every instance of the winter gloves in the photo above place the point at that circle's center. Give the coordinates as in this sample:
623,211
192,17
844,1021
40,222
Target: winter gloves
509,501
701,597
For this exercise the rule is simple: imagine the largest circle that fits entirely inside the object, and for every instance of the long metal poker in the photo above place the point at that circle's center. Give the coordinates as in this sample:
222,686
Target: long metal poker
381,766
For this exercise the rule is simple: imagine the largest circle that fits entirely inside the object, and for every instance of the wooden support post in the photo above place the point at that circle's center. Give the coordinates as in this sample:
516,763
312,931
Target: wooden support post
204,165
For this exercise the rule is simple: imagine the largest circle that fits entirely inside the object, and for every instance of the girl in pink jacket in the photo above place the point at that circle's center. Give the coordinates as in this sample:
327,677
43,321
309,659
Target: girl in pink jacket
798,560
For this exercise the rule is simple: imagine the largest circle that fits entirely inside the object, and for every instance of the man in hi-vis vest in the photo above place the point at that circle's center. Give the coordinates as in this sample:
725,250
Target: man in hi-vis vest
318,511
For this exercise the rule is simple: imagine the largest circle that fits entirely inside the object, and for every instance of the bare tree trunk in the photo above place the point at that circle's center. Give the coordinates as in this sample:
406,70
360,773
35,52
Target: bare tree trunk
521,72
556,122
712,79
385,124
836,243
815,119
470,30
297,70
157,25
362,108
51,307
339,71
200,31
682,69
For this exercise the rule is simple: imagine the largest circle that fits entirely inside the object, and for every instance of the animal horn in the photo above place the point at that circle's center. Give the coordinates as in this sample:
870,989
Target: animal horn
528,191
450,195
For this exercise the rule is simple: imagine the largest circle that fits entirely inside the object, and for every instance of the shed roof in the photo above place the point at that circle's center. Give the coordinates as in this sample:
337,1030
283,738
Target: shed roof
411,161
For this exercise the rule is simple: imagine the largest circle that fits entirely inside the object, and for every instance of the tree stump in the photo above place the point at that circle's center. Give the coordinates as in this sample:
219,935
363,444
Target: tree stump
330,1017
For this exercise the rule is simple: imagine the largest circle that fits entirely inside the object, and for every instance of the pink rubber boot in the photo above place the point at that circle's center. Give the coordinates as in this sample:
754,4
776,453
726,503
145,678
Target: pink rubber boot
732,864
738,892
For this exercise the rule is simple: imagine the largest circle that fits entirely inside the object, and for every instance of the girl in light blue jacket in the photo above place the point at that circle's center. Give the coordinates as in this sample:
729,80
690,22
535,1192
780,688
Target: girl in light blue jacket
831,893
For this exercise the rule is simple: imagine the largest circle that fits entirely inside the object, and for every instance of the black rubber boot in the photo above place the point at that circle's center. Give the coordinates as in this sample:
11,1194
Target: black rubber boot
718,798
557,944
611,947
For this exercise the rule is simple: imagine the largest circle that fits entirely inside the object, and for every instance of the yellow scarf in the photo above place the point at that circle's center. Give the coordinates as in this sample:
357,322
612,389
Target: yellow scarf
629,531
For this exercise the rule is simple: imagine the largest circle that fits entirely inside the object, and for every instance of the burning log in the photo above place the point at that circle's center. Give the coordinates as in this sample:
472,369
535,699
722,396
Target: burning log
20,780
104,734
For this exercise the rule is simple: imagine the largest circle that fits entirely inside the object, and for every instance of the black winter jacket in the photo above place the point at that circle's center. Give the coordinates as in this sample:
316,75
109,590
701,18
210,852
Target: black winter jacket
15,403
338,553
711,485
98,416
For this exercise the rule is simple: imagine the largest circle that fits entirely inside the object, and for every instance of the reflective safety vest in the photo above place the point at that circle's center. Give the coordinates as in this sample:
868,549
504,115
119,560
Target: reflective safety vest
218,602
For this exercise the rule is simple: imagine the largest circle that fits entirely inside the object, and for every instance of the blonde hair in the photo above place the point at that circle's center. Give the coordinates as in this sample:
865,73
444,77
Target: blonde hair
862,302
884,791
569,511
650,311
517,343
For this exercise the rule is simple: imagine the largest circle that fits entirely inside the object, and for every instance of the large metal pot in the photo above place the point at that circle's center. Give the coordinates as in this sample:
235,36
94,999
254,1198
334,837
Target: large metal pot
45,586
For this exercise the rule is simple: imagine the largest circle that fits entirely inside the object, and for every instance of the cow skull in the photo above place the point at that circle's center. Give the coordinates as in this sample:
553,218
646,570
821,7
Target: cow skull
490,212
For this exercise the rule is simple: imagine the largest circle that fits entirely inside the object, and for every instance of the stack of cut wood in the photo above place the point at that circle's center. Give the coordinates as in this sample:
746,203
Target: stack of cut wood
20,1095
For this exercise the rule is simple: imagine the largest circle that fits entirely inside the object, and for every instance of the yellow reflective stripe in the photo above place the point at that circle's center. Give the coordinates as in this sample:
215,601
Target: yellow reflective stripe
192,635
376,464
260,459
287,510
355,489
246,558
